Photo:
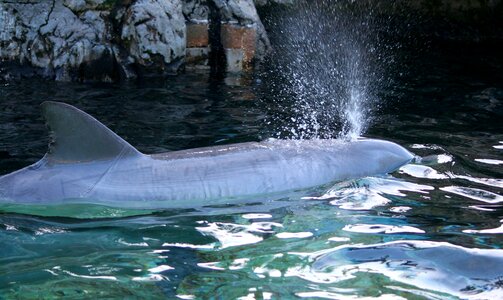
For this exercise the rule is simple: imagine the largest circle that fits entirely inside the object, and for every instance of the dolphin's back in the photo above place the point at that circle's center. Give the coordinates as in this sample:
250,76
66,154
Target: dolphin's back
207,151
195,176
209,174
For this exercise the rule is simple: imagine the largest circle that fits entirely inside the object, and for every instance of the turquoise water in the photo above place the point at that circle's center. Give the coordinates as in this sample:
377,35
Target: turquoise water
431,230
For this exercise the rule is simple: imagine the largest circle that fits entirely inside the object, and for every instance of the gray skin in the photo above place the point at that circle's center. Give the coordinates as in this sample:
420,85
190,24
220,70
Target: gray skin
88,163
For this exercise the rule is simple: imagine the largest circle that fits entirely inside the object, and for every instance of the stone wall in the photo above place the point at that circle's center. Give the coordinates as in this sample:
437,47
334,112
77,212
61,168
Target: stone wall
229,31
109,40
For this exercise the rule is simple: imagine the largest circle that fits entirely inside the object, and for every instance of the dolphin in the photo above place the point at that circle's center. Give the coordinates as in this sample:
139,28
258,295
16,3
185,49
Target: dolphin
87,163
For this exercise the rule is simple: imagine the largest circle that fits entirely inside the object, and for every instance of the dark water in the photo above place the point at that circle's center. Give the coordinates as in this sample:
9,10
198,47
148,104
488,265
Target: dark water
429,231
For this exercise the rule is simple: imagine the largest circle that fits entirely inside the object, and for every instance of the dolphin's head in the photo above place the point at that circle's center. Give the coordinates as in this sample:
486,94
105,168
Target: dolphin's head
386,155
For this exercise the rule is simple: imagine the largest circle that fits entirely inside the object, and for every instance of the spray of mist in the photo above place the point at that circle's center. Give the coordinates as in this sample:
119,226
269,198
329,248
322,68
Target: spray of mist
331,59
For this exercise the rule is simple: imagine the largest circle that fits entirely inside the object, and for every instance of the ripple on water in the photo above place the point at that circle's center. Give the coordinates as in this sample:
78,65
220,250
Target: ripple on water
400,209
419,171
294,235
231,235
435,266
340,296
236,264
257,216
494,182
489,161
473,193
369,192
496,230
380,228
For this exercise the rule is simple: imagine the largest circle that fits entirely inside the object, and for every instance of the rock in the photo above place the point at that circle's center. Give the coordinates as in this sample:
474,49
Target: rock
50,36
83,5
154,34
268,2
11,34
241,11
71,40
74,39
196,11
111,39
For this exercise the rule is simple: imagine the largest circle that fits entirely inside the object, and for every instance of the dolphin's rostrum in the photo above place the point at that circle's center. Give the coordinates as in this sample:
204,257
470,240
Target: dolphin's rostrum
88,163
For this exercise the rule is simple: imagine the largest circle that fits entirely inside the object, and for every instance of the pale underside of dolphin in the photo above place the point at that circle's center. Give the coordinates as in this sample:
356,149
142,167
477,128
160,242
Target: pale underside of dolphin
88,163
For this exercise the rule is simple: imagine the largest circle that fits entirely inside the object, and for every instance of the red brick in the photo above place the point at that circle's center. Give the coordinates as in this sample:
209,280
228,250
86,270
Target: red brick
240,37
197,35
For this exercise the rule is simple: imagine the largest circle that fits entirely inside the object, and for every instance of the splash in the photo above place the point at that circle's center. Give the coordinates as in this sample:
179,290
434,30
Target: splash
354,117
331,60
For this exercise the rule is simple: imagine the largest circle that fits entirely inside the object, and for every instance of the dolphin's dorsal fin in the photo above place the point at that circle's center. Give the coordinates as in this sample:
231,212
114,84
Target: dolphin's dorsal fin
78,137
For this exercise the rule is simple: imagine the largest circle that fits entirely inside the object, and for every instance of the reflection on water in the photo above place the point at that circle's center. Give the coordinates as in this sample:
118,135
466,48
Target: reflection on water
431,230
434,266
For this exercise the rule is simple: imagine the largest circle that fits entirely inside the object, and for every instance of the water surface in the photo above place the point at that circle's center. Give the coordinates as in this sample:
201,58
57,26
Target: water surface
428,231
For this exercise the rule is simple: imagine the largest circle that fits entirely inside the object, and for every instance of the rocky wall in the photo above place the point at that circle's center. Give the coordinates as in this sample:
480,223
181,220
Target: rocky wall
109,40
